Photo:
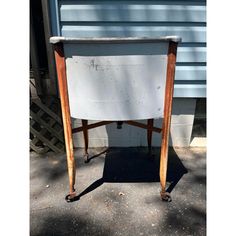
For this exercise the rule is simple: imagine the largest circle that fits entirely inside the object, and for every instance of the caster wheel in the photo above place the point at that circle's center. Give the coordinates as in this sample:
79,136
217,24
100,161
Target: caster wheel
70,197
86,158
165,196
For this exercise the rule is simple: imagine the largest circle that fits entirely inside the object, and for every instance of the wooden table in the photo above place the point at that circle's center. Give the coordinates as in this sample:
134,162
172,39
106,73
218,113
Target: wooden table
119,80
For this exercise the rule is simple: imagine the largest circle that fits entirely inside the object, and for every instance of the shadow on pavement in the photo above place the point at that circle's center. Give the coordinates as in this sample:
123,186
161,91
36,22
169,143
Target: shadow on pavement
130,165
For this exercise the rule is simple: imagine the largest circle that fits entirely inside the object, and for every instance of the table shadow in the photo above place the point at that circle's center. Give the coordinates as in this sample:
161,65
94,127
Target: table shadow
136,165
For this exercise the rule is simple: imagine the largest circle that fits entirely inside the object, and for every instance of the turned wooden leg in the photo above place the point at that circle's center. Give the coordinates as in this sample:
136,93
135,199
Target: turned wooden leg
149,134
65,108
85,132
167,119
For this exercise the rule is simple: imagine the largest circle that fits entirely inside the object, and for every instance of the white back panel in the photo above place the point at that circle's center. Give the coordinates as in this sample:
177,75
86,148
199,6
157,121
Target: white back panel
116,81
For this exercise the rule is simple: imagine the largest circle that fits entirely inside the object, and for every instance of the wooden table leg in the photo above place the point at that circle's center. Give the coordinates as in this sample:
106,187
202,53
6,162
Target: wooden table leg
149,134
167,118
85,132
62,82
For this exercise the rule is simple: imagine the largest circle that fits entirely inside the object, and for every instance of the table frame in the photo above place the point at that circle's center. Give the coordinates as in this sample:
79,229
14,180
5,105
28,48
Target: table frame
165,130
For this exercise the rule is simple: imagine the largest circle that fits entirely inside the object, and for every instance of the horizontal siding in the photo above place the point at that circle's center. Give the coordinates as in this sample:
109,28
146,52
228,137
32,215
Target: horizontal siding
132,12
190,90
190,73
191,54
188,34
147,2
138,18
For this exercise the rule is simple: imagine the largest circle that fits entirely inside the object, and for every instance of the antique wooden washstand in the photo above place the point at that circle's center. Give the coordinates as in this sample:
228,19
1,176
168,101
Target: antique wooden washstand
116,80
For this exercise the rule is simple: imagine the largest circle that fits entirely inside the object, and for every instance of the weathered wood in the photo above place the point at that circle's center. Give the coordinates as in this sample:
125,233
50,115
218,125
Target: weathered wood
47,110
62,82
167,117
144,126
101,123
35,142
149,133
45,140
46,125
91,126
85,132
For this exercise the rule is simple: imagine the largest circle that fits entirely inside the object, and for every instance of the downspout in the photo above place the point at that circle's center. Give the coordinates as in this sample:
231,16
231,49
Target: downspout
53,90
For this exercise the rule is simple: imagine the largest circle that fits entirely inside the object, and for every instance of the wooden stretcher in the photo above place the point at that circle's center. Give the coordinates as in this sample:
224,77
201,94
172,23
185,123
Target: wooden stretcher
119,80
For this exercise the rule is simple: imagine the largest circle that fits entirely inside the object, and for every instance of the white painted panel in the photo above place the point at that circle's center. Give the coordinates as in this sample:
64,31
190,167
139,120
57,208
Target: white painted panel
129,136
127,86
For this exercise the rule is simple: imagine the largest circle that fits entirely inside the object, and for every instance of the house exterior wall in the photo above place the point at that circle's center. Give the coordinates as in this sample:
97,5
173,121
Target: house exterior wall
187,19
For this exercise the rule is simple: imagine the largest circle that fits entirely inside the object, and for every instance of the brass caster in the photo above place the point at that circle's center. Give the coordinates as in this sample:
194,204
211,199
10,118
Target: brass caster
70,197
165,196
86,158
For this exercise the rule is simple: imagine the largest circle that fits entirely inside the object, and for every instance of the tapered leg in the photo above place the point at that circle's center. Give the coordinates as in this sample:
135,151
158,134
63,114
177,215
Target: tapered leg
85,132
163,160
62,82
167,118
149,135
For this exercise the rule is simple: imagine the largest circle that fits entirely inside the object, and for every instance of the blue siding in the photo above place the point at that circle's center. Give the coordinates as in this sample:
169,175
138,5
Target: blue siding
102,18
131,12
